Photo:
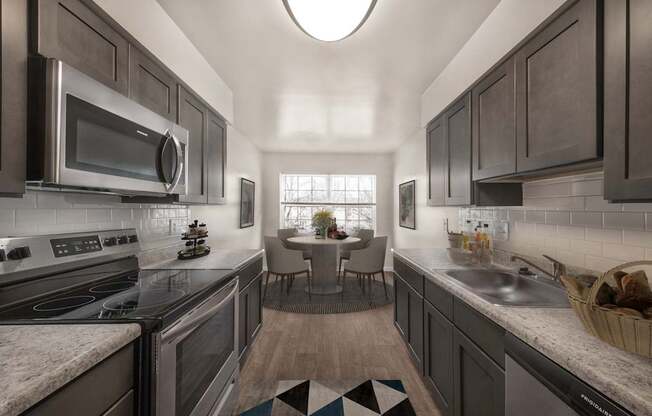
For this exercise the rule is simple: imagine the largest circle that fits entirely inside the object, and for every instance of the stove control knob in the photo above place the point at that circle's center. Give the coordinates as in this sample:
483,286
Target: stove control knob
123,239
133,238
19,253
3,255
110,241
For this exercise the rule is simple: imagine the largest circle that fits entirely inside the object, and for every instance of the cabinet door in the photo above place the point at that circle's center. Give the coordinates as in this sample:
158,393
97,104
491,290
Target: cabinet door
628,100
254,316
13,90
415,326
68,30
556,92
438,357
479,383
216,159
151,85
193,116
436,160
457,132
243,320
494,124
401,306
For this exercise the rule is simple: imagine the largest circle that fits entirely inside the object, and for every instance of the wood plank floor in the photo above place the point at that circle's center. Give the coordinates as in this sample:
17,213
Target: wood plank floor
360,345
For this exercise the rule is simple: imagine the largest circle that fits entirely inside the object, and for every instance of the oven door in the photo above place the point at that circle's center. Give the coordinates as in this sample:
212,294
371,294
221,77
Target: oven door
104,140
198,357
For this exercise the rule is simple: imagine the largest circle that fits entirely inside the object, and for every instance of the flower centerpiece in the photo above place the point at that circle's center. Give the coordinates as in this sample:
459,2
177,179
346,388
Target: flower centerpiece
321,220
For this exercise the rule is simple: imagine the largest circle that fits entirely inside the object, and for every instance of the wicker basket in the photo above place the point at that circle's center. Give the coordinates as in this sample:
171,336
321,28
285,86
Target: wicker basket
626,332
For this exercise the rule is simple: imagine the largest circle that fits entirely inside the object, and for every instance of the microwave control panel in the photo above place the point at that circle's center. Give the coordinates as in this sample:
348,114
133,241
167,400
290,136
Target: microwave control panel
63,247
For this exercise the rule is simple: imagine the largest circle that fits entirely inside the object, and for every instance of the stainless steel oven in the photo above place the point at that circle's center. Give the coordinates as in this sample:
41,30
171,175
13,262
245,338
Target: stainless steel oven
196,365
85,135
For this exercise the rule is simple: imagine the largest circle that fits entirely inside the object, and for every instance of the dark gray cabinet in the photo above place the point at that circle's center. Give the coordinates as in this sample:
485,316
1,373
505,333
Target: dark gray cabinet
557,102
457,142
250,315
627,100
152,85
13,92
70,31
108,389
436,162
408,318
193,116
438,357
494,123
479,383
216,159
401,305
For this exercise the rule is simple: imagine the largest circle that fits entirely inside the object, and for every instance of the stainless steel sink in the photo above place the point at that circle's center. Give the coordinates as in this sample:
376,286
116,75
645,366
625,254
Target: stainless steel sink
511,289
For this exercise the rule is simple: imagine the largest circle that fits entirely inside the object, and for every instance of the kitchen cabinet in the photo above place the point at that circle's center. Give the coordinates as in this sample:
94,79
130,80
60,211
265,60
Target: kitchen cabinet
479,383
70,31
401,306
408,318
152,85
13,92
627,100
494,123
438,357
91,395
216,159
557,83
436,162
193,116
457,144
250,308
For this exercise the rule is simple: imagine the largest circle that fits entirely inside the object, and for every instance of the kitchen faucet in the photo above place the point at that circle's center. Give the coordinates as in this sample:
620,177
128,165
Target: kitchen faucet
558,268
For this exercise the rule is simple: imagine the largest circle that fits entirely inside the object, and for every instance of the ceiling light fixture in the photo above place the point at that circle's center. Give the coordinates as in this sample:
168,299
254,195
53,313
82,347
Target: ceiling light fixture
329,20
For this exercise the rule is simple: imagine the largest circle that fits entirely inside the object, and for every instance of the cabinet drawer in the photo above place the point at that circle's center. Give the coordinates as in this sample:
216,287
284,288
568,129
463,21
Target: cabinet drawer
95,391
249,272
407,273
439,298
124,406
486,334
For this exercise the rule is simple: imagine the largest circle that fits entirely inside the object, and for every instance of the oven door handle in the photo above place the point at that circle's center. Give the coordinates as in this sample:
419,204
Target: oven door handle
193,321
169,187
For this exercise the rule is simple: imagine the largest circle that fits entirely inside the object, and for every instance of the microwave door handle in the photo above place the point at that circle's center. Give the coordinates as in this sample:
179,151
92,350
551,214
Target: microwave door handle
179,165
191,323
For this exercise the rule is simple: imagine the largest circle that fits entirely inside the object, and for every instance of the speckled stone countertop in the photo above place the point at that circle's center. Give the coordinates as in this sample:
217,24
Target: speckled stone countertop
557,333
218,259
39,359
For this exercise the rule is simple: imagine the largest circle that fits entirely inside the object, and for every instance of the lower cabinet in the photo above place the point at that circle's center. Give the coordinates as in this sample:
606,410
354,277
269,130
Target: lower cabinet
249,315
408,318
479,382
91,395
438,357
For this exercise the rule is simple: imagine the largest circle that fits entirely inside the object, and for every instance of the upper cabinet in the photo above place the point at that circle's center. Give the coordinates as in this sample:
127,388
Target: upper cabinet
193,117
436,162
151,85
216,159
628,100
494,123
68,30
557,103
457,144
13,105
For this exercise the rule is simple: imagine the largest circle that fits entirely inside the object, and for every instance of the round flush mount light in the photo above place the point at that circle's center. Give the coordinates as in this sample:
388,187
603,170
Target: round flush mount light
329,20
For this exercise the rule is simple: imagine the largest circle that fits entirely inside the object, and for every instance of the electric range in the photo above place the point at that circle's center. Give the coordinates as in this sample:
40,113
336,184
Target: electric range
188,317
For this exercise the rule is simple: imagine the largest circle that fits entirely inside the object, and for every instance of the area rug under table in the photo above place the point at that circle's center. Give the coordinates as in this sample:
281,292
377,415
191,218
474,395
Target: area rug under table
336,398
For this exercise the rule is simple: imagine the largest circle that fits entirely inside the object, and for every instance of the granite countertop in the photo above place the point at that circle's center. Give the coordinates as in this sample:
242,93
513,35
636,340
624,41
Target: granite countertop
218,259
555,332
37,360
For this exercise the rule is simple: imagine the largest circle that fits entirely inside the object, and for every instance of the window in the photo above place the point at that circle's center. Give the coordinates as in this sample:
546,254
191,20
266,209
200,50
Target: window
352,198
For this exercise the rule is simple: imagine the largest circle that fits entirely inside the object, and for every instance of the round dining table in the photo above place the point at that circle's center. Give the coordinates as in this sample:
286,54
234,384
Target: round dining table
324,261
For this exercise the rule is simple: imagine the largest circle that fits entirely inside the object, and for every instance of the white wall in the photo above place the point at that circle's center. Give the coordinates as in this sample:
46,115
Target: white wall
150,24
353,164
244,160
409,164
509,23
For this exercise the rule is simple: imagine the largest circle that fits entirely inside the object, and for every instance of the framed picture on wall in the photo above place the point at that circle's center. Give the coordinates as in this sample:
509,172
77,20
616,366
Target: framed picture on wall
406,205
247,202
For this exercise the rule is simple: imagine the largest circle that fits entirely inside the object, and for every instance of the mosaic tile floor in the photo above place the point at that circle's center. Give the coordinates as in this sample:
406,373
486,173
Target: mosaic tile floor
336,398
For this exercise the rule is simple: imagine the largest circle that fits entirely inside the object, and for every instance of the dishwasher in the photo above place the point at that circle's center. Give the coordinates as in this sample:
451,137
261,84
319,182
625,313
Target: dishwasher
536,386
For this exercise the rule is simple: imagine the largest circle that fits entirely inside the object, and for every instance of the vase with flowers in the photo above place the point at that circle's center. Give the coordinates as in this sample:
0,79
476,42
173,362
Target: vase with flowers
321,220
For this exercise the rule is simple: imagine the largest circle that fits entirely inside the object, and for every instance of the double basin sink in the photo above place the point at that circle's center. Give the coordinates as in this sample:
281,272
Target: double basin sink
504,288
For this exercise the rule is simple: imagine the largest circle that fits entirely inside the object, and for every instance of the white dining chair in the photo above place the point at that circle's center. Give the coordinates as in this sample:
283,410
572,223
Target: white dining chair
284,263
285,233
368,262
365,236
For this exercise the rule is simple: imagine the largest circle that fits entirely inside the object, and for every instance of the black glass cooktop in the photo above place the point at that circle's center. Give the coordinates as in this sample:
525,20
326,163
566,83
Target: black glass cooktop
105,292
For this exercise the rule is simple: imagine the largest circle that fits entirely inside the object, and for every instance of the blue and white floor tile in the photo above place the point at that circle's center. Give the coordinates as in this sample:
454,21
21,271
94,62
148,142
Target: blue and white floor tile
336,398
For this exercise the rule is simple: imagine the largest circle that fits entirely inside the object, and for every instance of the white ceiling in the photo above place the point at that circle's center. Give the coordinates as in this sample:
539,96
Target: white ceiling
361,94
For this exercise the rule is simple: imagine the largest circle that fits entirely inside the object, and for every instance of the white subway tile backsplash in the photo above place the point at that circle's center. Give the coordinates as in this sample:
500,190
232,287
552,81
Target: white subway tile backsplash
591,219
624,253
516,215
628,220
95,215
557,243
598,203
120,214
637,238
587,188
52,200
535,216
569,257
601,264
71,216
563,203
7,217
28,201
586,247
604,235
558,217
577,233
537,189
25,218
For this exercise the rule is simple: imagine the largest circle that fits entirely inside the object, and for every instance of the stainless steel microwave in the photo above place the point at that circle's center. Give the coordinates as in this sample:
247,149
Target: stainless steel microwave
83,135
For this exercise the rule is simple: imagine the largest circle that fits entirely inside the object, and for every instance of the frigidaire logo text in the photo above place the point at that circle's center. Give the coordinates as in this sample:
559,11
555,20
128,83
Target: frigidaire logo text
595,405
